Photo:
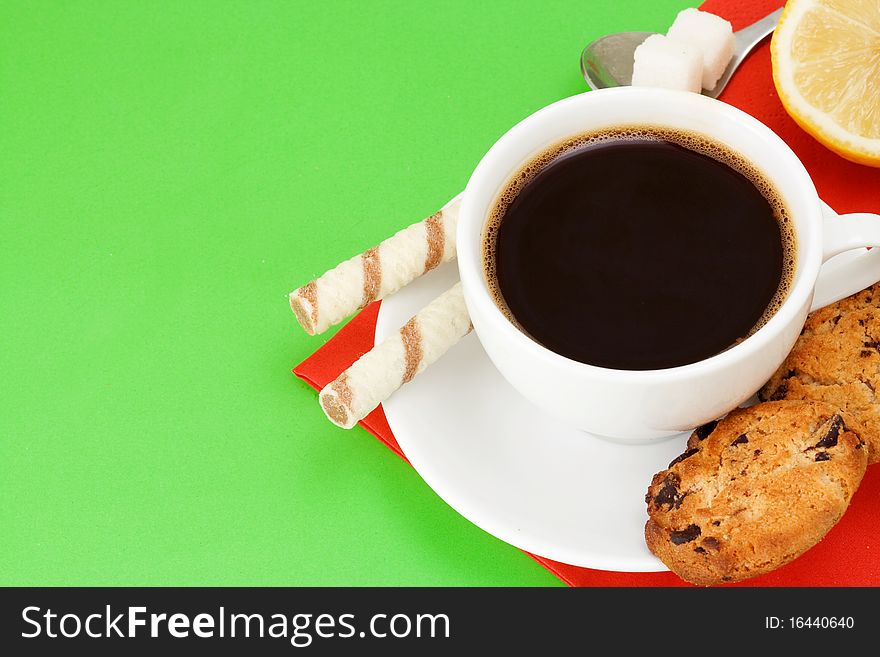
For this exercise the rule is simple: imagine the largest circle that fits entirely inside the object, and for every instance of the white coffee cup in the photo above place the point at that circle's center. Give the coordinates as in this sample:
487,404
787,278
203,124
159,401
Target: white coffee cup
635,406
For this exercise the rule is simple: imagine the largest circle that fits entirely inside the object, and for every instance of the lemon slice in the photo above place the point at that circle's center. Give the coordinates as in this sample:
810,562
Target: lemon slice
826,67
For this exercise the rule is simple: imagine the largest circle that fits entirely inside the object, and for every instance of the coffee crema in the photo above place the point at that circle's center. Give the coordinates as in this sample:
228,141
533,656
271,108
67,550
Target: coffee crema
639,248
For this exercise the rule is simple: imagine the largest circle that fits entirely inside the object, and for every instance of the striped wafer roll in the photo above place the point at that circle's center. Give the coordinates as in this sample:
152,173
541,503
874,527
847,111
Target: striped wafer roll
387,366
376,273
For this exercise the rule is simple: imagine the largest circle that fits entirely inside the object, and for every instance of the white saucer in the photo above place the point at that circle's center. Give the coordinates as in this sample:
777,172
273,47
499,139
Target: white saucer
519,474
509,468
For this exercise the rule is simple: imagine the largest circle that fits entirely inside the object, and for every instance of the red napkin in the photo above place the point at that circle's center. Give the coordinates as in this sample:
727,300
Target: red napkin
850,554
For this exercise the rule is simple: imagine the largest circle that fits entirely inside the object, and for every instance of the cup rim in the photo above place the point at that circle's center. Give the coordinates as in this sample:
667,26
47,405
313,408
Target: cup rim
469,240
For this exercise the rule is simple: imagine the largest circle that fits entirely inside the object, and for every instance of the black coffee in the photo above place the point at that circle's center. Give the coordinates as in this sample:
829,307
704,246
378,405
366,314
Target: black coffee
639,249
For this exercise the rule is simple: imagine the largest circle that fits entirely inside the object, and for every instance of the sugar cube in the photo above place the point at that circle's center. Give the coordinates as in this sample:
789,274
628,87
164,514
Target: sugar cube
662,62
711,34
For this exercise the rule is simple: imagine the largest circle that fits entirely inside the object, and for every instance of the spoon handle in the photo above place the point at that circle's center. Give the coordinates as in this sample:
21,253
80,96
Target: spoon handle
744,41
748,37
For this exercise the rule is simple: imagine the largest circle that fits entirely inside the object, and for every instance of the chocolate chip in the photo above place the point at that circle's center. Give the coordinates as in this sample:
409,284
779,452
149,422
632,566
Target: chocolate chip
699,550
864,353
861,322
757,452
715,523
861,444
685,535
669,493
830,439
836,319
872,344
711,543
682,457
742,438
823,456
703,432
780,392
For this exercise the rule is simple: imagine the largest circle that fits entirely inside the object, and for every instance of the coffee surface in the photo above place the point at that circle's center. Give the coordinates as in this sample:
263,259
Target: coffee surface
638,253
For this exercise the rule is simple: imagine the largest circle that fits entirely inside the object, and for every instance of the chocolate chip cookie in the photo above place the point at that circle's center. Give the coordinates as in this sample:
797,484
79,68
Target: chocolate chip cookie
837,360
754,491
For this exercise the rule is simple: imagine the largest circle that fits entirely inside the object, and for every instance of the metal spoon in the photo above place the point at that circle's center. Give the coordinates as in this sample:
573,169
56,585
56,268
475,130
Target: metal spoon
608,62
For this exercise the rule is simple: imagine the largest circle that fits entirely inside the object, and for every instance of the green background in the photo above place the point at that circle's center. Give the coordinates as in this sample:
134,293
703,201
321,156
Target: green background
168,172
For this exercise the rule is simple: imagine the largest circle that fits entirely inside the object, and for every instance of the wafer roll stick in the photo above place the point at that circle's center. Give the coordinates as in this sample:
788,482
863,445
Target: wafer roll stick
387,366
376,273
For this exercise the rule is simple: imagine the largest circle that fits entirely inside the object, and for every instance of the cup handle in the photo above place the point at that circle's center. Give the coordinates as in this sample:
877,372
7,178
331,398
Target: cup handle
848,266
